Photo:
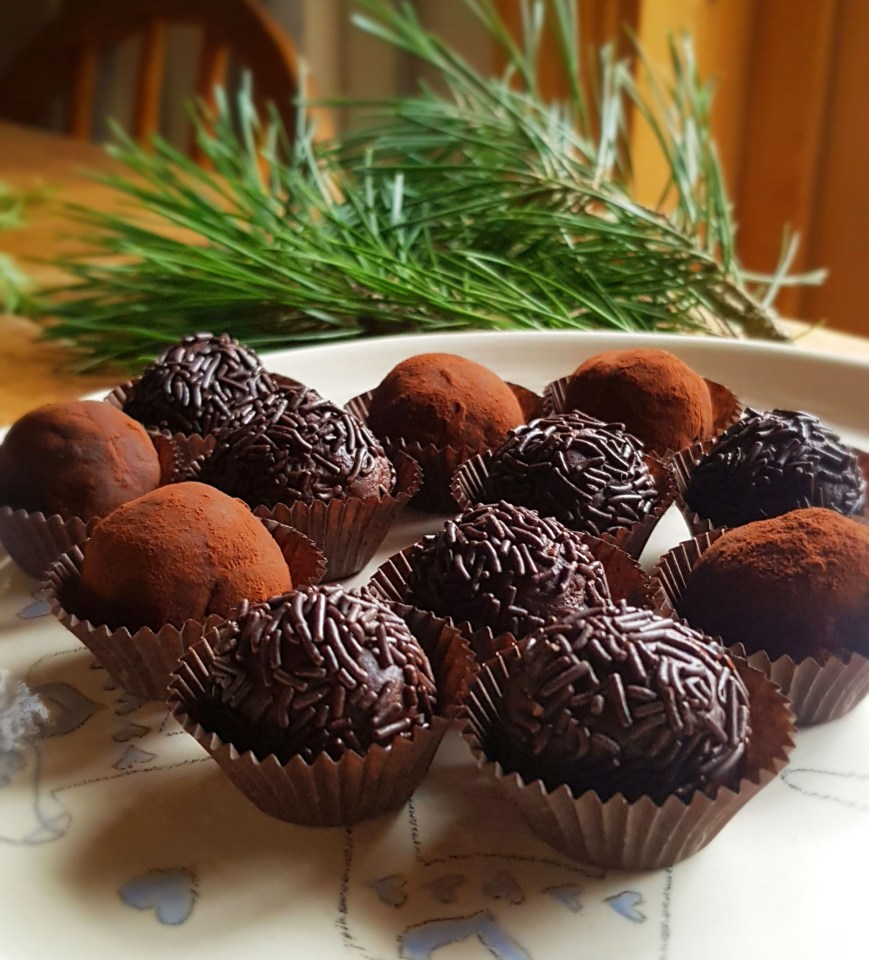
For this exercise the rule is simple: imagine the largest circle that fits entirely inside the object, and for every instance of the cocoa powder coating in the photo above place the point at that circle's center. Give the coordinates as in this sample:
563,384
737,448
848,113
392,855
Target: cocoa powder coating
797,584
79,459
182,552
444,400
657,396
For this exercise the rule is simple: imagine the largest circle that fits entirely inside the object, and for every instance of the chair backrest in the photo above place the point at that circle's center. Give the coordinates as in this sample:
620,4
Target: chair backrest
63,60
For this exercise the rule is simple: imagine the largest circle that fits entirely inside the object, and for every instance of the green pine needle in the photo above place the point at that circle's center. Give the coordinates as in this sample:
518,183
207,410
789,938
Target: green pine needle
482,207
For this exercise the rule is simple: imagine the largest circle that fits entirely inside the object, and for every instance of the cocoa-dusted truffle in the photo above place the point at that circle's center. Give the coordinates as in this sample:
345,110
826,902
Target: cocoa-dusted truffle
318,671
621,700
657,396
505,567
441,399
78,459
796,584
182,552
770,463
298,447
198,385
588,474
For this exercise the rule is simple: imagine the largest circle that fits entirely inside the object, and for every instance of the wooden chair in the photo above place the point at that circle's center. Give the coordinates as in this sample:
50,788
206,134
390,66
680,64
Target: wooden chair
62,62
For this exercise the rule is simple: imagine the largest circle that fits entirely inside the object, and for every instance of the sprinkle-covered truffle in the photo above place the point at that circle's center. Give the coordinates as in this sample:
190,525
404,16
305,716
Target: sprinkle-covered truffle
588,474
505,567
78,459
180,553
770,463
198,385
796,584
298,447
318,671
657,396
622,701
444,400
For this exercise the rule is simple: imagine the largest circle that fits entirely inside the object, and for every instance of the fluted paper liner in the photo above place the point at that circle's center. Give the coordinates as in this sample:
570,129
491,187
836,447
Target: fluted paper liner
329,792
34,541
469,488
440,463
350,530
726,406
818,691
617,833
624,576
142,661
685,463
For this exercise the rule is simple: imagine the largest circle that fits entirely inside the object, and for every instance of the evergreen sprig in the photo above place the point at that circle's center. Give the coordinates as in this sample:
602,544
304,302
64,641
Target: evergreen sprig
479,205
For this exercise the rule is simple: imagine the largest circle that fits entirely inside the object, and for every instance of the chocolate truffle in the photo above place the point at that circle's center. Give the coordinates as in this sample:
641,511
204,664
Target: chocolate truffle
179,553
318,671
505,567
441,399
657,396
622,701
198,385
77,459
298,447
588,474
797,584
770,463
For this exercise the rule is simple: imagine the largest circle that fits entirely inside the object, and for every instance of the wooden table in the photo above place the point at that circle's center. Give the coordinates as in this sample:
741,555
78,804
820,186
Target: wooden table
33,371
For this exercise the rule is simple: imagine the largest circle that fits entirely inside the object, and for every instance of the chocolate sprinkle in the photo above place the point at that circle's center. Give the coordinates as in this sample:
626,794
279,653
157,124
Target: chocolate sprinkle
297,446
505,567
768,464
198,385
621,700
588,474
318,671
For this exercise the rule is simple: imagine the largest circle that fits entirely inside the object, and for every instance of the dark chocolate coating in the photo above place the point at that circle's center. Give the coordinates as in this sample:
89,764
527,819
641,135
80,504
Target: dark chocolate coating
79,459
505,567
298,446
198,385
318,671
445,400
770,463
621,700
796,584
588,474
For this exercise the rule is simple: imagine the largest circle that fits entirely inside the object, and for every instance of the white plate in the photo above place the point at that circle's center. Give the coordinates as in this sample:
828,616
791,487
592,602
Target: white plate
124,811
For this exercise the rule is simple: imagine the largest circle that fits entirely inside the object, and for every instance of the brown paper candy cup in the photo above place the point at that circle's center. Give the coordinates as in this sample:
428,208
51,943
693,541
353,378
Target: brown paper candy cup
684,463
142,661
440,463
818,691
726,406
624,576
329,792
34,541
617,833
350,530
469,487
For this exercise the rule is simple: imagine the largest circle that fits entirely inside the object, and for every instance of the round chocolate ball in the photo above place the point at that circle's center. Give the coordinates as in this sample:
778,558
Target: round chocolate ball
319,671
444,400
179,553
796,584
588,474
507,568
198,385
298,447
622,701
770,463
657,396
77,459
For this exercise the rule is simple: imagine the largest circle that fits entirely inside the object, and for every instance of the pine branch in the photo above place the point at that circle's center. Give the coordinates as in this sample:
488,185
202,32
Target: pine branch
482,208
